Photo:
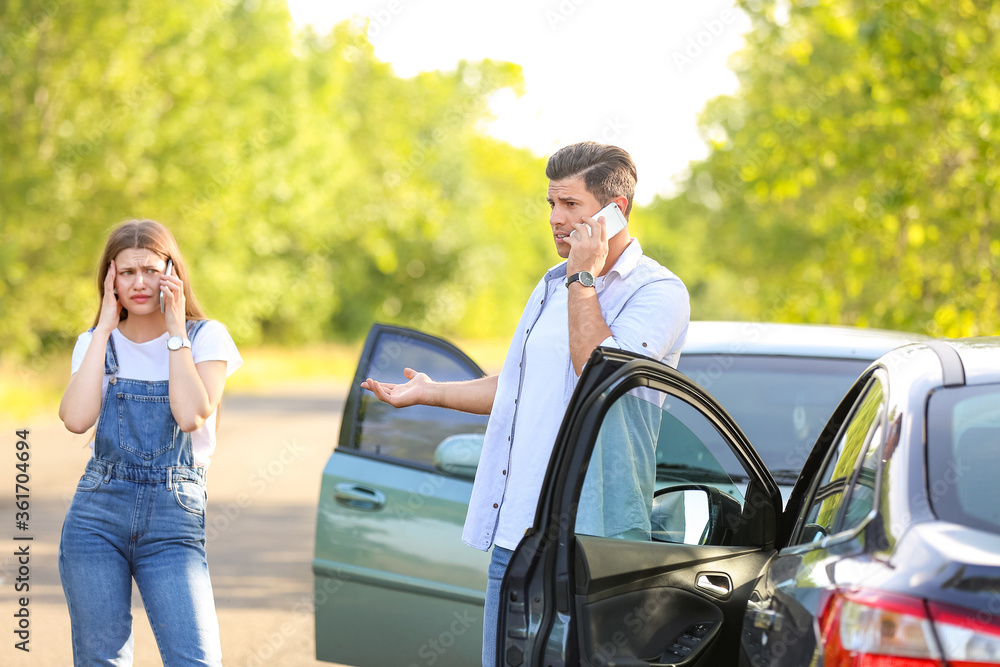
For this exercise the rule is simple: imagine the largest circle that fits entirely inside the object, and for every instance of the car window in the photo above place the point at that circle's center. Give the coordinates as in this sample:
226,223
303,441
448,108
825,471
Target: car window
412,433
860,429
861,497
659,471
781,403
963,426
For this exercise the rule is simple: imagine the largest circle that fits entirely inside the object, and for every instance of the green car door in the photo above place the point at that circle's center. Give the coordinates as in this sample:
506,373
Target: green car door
394,584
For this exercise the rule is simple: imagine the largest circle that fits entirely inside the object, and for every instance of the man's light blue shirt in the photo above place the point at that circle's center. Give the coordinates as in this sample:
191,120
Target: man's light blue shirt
647,309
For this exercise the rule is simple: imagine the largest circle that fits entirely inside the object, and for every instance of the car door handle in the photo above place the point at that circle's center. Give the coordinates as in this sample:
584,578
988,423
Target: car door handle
359,497
716,584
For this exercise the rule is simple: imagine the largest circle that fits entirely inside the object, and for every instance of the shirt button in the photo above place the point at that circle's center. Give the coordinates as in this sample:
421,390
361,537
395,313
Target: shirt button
504,472
495,506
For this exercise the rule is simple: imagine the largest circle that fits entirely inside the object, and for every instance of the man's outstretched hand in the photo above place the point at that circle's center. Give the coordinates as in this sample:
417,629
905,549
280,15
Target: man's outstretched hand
414,392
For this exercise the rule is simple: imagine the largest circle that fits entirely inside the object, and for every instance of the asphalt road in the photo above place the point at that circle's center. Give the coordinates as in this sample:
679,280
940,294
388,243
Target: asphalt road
263,488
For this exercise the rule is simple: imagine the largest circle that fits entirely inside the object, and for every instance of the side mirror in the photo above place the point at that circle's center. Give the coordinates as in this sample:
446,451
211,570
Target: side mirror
680,514
695,514
458,455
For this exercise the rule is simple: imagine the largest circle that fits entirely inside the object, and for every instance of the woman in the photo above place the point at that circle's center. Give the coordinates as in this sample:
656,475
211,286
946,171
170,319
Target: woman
151,377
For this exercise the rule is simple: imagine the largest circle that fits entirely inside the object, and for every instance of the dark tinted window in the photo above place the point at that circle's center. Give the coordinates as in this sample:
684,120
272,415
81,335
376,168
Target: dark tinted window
861,430
781,403
650,442
412,433
964,455
861,499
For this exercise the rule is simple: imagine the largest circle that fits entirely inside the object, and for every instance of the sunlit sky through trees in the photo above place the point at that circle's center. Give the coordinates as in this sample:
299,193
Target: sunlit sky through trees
634,73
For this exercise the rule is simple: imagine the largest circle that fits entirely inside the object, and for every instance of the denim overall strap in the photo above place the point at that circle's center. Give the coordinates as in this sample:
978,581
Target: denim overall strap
193,327
110,357
138,438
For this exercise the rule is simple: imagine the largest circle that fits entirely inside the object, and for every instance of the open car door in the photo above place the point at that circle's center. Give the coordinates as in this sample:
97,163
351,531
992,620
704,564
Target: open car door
654,522
394,584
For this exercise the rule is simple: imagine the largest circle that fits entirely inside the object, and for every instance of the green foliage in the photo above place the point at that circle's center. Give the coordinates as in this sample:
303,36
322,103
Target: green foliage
852,178
311,189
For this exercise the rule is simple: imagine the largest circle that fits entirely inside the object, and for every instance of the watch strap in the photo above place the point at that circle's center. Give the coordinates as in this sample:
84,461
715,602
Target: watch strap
183,342
585,278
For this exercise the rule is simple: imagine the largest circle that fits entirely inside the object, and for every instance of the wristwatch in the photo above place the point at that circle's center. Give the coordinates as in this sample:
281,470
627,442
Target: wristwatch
176,343
586,279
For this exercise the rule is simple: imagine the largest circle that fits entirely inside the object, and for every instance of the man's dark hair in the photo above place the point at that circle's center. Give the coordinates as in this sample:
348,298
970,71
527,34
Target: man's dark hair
607,171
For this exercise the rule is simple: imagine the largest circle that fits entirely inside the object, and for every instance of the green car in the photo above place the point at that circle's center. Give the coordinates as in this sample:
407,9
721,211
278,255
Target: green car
395,585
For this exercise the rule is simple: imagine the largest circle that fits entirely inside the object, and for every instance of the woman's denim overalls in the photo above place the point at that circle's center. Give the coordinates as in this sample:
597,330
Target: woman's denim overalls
139,511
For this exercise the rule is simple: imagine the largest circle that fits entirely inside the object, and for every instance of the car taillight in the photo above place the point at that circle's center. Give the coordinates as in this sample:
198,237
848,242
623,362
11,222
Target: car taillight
868,629
879,629
967,638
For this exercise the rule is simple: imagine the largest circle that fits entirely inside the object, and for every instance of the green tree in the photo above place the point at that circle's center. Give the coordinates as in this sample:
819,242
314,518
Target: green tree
851,177
312,190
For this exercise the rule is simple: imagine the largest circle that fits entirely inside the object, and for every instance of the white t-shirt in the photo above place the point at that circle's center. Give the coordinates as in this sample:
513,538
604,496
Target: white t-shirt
545,354
150,361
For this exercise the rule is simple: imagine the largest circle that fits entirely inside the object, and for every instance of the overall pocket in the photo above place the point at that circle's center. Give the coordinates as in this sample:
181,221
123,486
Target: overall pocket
146,427
91,480
191,497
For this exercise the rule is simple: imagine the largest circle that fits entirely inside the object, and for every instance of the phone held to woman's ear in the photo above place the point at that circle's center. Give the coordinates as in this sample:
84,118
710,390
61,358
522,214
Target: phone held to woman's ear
166,272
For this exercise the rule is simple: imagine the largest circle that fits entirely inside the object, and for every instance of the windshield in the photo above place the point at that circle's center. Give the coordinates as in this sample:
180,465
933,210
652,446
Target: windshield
963,440
781,403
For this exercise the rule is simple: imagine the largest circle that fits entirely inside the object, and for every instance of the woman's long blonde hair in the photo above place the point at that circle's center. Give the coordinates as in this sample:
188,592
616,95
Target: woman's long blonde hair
146,235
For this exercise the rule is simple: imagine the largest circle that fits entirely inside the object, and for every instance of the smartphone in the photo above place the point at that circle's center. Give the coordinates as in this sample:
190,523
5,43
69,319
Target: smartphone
613,219
167,271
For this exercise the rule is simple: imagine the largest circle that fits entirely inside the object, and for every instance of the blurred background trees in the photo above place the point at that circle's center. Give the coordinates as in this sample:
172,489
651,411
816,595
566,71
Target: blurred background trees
313,191
853,177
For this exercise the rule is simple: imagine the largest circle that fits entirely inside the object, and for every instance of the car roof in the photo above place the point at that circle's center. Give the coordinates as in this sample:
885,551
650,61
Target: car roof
793,340
948,362
980,358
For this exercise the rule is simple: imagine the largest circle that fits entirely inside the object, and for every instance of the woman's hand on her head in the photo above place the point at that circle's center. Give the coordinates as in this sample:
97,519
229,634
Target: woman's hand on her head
111,307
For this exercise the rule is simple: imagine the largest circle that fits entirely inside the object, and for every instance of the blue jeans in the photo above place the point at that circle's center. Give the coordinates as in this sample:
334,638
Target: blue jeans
498,566
117,529
139,513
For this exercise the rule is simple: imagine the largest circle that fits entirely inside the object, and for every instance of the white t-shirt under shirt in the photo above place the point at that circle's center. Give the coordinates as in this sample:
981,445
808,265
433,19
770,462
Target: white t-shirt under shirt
150,361
544,353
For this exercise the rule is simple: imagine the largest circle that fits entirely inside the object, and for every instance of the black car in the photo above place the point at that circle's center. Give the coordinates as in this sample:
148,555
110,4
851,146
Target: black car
886,553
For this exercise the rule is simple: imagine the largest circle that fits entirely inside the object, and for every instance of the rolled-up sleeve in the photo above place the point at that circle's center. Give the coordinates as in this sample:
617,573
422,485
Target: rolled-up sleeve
653,322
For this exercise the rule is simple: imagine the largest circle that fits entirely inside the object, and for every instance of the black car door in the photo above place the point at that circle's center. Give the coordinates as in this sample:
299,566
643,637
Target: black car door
644,549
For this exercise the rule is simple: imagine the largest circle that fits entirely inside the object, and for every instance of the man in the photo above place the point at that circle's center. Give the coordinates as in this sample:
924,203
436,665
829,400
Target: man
605,293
